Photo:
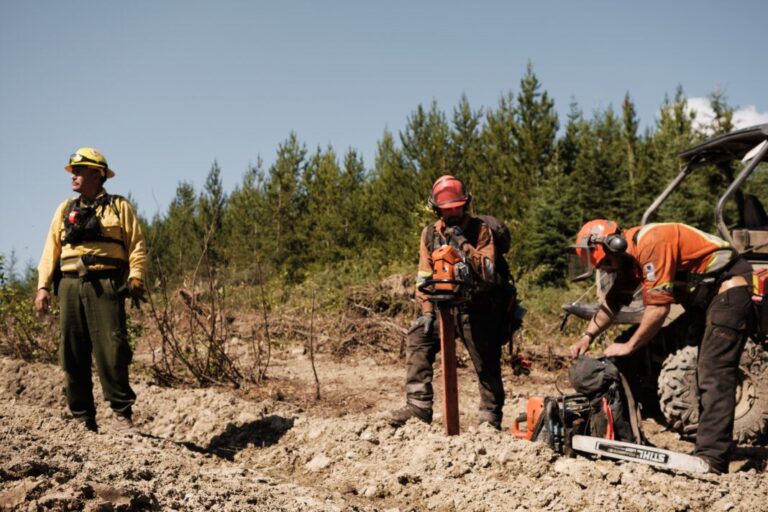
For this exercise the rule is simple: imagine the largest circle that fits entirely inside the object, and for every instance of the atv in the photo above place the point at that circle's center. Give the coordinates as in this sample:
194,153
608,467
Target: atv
663,373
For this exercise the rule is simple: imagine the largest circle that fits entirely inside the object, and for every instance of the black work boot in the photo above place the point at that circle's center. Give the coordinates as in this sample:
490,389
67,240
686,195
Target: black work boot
489,419
399,417
89,423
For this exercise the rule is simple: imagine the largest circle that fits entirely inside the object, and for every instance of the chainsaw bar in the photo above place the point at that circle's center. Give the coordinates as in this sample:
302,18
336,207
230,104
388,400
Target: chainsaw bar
639,453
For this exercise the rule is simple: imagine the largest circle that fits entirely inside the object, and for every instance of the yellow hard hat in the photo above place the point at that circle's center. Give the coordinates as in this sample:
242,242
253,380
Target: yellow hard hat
89,157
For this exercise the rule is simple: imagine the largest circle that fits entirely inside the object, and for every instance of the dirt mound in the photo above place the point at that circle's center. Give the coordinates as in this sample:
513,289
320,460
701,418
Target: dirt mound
482,469
210,449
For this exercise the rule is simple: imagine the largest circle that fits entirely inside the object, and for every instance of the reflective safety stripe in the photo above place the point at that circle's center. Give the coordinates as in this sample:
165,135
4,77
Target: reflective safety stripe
719,260
662,288
422,276
710,238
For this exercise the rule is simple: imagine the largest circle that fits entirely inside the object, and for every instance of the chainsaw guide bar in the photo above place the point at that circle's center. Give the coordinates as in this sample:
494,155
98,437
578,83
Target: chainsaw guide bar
639,453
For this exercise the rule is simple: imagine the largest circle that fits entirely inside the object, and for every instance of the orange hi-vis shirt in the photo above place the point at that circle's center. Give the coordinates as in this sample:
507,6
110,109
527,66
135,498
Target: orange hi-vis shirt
664,249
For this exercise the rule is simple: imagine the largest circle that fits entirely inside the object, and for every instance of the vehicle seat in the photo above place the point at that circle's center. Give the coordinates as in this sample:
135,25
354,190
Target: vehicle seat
752,239
754,213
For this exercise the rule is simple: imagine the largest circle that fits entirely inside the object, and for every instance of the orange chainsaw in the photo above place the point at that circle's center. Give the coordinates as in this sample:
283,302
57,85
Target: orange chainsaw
451,284
452,281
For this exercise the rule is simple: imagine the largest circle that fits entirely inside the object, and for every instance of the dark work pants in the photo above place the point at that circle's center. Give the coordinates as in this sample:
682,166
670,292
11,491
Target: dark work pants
727,317
93,322
481,333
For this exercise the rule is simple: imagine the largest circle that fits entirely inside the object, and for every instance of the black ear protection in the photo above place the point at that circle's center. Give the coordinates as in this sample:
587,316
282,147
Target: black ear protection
614,243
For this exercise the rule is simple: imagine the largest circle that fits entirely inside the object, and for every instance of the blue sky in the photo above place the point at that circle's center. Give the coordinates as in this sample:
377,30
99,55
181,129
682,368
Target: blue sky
164,88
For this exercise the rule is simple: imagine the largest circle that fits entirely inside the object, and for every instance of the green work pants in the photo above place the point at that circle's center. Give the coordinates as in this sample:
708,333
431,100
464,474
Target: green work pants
93,322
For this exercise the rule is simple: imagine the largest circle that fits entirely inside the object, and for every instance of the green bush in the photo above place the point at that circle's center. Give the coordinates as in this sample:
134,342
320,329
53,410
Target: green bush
22,333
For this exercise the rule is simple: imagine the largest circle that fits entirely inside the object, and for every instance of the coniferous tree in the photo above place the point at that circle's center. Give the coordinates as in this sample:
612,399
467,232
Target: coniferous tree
674,133
210,217
630,141
558,208
355,232
322,219
394,205
504,191
535,129
722,122
465,145
426,144
180,233
244,220
282,236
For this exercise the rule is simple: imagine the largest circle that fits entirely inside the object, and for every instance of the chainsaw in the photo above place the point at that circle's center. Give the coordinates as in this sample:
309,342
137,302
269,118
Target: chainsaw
452,282
451,285
562,423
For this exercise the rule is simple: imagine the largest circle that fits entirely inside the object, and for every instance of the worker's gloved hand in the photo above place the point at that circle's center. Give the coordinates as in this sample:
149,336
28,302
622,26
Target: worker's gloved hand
426,321
136,291
456,235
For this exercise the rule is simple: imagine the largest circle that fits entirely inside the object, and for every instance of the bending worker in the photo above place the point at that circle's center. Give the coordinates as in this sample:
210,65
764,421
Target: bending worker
479,322
676,263
94,257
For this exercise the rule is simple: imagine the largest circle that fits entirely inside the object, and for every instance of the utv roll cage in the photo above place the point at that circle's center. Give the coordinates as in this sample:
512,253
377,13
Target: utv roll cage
749,145
749,236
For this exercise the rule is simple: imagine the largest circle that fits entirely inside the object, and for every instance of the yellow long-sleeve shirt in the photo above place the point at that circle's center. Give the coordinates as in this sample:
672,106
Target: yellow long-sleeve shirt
121,225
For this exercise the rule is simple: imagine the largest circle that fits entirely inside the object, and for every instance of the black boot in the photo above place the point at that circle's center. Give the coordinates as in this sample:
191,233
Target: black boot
399,417
89,423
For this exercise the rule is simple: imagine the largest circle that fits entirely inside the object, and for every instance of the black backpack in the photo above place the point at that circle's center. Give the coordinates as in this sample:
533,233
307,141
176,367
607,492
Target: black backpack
502,238
611,404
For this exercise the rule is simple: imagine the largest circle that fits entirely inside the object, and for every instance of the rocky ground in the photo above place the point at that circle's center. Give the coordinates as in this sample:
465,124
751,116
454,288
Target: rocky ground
278,448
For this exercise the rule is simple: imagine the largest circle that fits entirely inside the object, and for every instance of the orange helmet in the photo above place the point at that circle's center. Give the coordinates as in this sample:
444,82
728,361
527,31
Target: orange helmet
448,192
594,241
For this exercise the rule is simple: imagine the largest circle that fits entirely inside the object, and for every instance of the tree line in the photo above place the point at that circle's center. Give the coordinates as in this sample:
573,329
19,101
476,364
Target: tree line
319,209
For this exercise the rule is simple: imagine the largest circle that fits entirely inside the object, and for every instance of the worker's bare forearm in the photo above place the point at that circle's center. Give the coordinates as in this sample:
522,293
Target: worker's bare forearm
650,324
600,321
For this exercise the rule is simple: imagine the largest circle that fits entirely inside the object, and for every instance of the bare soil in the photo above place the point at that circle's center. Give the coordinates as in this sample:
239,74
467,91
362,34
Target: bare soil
276,447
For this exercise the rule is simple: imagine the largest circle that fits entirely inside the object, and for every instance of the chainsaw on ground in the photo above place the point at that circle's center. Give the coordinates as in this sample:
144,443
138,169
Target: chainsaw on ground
563,424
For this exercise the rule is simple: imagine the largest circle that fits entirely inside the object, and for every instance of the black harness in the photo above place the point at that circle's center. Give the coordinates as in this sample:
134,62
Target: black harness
81,221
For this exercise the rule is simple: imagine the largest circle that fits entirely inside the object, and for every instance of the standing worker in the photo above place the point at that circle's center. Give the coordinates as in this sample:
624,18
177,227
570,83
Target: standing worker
94,257
479,322
675,263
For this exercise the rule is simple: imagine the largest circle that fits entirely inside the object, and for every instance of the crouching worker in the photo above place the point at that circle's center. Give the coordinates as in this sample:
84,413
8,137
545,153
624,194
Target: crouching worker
479,322
94,257
675,263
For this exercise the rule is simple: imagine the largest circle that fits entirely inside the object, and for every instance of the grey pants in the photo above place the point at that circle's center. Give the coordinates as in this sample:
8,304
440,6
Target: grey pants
481,333
93,323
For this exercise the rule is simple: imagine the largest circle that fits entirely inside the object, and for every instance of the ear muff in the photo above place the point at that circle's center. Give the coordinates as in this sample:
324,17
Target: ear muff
431,204
615,244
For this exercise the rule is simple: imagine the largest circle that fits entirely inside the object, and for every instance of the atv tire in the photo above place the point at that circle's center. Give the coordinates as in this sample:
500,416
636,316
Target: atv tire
679,398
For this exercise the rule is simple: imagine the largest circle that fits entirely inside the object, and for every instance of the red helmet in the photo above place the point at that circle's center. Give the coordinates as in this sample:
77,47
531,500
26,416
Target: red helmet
448,192
594,241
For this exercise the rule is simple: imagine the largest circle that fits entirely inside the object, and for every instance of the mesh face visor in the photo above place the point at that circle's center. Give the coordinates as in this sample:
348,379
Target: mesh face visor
579,262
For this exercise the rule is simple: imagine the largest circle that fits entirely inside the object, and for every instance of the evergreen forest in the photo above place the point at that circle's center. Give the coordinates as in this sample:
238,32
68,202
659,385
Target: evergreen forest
319,210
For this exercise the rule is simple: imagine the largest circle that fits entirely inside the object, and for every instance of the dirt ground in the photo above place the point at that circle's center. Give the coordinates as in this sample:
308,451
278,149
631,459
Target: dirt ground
278,448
